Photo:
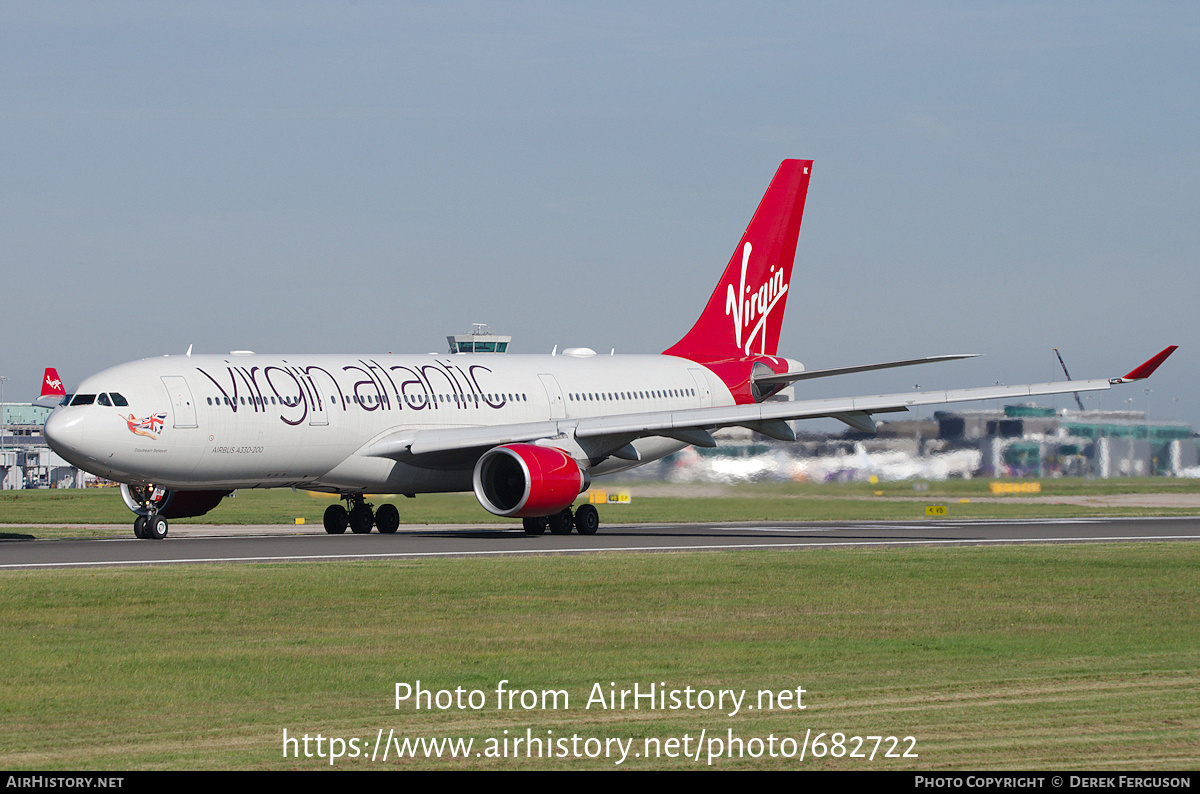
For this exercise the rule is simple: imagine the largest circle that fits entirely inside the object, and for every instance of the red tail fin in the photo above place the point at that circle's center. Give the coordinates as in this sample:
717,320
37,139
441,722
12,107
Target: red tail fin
52,385
52,389
745,313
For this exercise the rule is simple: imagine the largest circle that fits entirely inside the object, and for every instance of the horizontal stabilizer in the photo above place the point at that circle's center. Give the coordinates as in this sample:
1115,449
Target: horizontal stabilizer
791,377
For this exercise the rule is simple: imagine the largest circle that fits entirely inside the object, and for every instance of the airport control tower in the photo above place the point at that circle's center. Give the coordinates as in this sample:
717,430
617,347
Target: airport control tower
480,340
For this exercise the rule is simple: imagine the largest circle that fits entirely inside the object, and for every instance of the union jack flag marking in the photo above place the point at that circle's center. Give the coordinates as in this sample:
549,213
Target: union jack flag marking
146,427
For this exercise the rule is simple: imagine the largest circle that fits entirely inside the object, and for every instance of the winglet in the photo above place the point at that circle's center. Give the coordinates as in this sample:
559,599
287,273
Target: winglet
1147,369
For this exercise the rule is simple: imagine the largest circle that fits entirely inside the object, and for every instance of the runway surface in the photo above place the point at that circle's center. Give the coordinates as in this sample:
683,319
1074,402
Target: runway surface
200,544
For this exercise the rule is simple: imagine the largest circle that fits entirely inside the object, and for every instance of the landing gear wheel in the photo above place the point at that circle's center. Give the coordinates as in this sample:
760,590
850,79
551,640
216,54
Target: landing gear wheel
336,520
156,528
535,526
387,519
361,519
587,519
562,523
139,527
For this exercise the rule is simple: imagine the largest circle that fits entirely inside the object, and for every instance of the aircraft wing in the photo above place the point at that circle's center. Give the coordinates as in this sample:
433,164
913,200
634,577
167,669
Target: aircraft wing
612,433
406,444
846,408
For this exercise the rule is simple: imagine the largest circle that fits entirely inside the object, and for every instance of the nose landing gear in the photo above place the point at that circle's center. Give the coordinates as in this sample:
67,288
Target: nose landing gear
156,527
150,526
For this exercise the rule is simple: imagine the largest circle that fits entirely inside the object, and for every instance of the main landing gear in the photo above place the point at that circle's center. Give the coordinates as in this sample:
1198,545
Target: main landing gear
585,520
360,517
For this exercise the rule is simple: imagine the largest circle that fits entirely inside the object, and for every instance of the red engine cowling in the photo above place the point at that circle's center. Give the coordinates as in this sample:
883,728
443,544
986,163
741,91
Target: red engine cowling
171,504
527,481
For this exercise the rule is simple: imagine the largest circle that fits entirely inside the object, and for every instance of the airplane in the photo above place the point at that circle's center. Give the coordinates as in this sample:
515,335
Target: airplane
526,433
52,389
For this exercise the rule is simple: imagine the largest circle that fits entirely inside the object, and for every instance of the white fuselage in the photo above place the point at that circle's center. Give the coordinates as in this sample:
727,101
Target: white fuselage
258,421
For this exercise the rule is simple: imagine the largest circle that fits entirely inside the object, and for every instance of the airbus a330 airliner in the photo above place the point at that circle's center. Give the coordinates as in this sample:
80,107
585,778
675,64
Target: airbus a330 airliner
525,432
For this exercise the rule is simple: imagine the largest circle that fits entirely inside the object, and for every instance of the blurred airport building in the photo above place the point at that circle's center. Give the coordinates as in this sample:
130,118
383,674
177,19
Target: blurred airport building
1012,441
25,460
480,340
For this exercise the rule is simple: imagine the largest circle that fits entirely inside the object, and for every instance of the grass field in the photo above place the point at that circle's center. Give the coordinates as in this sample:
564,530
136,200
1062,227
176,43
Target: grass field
1039,657
1084,657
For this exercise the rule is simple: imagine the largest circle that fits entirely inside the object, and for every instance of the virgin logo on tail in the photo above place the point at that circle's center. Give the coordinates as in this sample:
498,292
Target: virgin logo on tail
752,304
51,383
754,295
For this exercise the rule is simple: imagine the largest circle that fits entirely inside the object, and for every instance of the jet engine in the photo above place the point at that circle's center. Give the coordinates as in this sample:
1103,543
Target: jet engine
527,481
171,504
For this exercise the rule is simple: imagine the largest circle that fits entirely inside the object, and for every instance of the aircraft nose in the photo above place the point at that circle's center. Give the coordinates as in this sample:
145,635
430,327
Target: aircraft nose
64,434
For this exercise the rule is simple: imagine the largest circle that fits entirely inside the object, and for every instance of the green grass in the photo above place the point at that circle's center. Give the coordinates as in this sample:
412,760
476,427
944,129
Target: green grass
770,502
1051,486
1063,657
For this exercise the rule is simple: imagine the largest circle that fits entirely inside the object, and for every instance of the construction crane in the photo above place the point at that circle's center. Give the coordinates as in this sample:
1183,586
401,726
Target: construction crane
1078,401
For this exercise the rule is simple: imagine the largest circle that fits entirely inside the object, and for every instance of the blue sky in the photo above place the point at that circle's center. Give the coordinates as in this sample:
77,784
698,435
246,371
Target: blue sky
998,178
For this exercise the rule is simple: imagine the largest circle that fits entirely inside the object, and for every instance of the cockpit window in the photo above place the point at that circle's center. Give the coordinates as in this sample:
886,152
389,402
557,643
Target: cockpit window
66,400
118,399
83,399
103,400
